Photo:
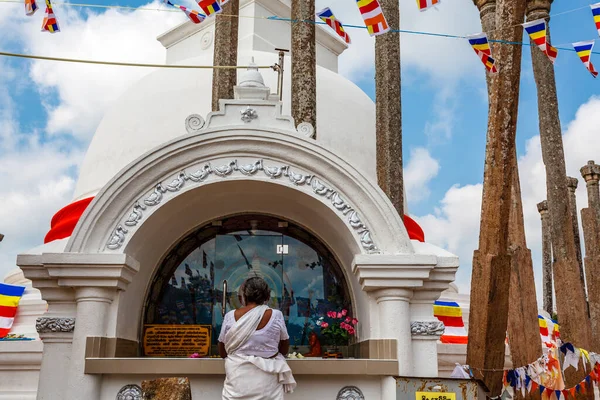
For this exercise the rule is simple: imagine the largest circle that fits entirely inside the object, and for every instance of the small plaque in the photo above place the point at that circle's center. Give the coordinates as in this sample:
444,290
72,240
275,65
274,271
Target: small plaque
177,340
435,396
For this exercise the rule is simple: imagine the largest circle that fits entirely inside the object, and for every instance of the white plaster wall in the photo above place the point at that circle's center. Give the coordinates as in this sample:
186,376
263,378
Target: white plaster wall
19,369
209,387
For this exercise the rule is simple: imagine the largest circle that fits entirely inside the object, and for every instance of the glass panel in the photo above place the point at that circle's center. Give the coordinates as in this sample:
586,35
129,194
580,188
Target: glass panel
239,257
187,298
313,289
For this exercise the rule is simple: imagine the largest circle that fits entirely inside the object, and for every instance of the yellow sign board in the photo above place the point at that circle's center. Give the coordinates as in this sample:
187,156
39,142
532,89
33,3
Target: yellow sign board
435,396
176,340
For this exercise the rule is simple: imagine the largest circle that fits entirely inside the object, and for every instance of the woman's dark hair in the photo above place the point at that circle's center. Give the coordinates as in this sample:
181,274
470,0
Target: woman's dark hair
256,291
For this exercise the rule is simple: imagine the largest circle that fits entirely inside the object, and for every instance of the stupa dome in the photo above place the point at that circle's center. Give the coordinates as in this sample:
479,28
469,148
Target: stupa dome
154,109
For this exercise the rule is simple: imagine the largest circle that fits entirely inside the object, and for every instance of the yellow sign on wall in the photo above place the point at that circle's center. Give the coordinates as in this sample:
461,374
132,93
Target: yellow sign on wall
176,340
435,396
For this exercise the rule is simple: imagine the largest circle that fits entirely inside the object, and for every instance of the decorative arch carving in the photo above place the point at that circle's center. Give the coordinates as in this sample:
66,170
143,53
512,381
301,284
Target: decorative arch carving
273,156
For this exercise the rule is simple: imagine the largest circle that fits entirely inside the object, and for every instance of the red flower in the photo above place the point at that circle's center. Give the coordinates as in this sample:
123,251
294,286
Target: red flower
324,325
348,319
354,321
344,312
339,315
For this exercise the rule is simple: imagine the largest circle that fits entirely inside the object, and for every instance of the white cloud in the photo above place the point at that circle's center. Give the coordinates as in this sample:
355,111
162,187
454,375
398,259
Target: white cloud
455,223
76,96
418,173
37,180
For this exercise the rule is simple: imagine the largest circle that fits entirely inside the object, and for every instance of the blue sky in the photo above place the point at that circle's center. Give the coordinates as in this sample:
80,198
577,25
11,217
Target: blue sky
47,120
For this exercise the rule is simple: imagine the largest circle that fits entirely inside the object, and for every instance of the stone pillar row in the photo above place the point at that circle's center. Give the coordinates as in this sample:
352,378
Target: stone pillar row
79,289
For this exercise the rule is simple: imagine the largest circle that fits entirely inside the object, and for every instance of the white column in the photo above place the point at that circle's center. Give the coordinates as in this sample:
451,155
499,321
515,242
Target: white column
93,304
394,323
79,289
426,331
55,363
388,388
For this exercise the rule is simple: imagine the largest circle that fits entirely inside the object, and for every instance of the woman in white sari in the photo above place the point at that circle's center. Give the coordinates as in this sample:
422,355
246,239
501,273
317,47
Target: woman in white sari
253,341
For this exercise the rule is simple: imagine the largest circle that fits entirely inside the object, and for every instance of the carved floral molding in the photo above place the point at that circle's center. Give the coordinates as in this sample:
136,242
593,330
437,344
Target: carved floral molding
311,182
427,328
47,324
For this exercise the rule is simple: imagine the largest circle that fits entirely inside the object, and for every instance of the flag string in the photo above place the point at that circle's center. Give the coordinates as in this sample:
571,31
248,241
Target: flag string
126,64
273,18
276,18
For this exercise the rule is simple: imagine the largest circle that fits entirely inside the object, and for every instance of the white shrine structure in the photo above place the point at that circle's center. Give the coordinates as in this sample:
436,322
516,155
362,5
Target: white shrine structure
169,192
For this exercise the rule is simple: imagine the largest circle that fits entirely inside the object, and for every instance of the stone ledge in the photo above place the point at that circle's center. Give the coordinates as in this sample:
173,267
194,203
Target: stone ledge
187,367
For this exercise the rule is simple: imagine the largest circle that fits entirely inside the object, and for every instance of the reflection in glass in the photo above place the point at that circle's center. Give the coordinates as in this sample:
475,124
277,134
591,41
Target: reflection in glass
305,282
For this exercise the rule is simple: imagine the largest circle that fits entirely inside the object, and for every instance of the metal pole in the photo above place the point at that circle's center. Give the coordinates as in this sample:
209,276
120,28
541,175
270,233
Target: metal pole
279,69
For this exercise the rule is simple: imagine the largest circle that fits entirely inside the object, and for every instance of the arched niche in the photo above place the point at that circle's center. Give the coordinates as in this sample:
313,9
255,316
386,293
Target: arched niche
184,214
197,282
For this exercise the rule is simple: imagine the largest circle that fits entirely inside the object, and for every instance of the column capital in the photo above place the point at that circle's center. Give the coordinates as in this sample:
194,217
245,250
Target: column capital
572,183
590,172
90,270
538,9
403,271
392,294
485,7
543,207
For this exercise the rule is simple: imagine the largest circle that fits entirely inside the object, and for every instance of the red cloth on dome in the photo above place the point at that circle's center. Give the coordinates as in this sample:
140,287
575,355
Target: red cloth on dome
63,223
66,219
415,232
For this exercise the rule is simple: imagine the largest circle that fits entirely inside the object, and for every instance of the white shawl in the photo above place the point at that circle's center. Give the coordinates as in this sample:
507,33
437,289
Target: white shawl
239,334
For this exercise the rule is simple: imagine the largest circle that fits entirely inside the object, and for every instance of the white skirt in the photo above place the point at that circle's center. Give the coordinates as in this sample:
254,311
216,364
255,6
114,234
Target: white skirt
255,378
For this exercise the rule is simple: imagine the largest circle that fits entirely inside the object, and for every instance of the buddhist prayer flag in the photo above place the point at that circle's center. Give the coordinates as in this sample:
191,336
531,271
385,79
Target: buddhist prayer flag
482,48
210,7
537,31
10,295
50,23
30,7
584,51
327,16
193,15
425,4
373,17
549,331
596,13
450,314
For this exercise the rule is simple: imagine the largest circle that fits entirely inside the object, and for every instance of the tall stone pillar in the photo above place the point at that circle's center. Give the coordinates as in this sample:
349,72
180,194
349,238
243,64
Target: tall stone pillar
547,291
591,234
388,108
225,52
570,294
523,327
591,173
572,185
304,64
492,261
